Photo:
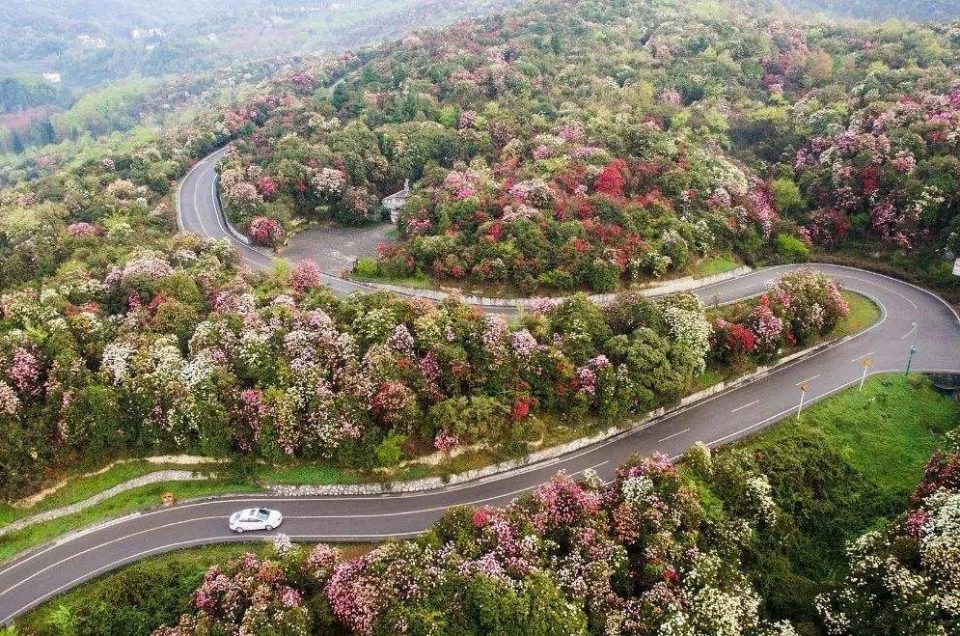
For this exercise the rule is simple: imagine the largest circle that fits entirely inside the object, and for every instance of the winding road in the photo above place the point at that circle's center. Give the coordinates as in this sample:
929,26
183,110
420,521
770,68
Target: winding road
34,577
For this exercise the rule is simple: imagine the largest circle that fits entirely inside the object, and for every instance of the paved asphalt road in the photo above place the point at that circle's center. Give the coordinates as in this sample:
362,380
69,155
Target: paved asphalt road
37,576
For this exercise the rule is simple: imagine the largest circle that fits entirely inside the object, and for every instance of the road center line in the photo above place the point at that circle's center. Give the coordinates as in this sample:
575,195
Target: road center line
740,408
866,355
686,430
808,380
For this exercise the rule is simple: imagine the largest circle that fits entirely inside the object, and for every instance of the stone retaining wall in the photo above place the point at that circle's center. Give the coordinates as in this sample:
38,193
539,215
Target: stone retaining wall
687,283
56,513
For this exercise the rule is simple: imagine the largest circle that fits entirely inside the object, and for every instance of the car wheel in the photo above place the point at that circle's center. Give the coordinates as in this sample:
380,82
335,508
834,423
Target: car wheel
238,530
268,528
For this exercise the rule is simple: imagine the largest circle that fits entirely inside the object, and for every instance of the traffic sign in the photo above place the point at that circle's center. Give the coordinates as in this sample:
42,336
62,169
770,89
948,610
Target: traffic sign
867,363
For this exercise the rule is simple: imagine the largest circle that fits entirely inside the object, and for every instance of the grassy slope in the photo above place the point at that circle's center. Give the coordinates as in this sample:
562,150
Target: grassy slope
847,467
136,499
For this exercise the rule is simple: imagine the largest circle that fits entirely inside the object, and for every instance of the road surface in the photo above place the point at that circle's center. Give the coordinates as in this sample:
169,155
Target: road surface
39,575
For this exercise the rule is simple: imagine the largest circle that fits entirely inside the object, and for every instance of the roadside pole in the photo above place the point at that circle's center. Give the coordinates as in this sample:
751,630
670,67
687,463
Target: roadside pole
913,347
804,387
867,363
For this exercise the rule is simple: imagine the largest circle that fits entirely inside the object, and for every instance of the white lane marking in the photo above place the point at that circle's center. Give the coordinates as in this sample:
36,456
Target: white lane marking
170,547
196,206
875,284
214,517
808,380
594,467
740,408
686,430
858,358
908,333
102,545
185,179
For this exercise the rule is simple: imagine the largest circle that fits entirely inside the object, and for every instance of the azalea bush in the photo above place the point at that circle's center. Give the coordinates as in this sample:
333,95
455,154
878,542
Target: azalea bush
892,171
799,308
179,350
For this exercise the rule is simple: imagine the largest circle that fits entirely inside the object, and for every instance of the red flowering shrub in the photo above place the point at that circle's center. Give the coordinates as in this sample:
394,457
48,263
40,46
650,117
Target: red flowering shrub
734,342
611,179
266,231
306,275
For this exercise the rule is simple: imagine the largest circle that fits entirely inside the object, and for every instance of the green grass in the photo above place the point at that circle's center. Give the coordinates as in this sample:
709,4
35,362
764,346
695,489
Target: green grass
713,265
416,282
143,596
80,488
147,594
123,503
556,431
863,313
879,439
886,433
311,474
847,467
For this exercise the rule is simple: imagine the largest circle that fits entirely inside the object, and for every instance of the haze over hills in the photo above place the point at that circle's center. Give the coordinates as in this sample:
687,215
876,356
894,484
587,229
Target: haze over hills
878,10
90,41
109,64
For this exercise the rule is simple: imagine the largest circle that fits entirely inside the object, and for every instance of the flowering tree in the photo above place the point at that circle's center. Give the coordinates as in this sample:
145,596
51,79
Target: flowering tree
266,231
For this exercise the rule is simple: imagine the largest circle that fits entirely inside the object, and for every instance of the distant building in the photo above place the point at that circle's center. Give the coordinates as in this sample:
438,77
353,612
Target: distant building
53,78
90,42
139,34
396,201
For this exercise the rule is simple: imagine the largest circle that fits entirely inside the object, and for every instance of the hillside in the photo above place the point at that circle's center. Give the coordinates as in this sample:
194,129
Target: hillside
880,10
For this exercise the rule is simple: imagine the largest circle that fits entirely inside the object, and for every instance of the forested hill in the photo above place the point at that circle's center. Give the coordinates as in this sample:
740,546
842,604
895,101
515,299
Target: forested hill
918,10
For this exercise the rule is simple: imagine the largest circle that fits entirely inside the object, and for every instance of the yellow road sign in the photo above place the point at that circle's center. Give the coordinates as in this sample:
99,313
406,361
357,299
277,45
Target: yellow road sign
867,363
804,386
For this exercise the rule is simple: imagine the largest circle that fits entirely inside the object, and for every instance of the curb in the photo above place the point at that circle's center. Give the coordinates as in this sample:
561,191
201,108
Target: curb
688,283
231,230
56,513
432,483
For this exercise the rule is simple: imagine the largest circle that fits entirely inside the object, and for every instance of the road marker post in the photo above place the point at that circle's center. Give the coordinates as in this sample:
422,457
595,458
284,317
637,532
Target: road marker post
913,347
867,363
804,387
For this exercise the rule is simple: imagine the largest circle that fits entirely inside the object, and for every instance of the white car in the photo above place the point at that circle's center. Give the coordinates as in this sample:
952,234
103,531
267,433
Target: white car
255,519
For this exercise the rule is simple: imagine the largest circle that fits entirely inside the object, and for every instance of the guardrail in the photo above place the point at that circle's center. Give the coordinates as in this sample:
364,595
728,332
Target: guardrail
218,204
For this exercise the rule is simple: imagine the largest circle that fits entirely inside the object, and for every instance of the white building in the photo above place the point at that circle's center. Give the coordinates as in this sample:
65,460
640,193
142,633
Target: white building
396,201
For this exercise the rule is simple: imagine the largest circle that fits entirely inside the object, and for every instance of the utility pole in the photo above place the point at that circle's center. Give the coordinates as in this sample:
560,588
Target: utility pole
913,347
867,363
804,387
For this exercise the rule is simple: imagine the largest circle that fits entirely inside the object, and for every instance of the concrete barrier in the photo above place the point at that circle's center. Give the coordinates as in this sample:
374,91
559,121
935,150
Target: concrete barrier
688,283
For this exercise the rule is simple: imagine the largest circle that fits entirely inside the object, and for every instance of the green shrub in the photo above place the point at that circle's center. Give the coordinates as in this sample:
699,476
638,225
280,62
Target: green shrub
604,276
786,195
390,450
366,267
791,249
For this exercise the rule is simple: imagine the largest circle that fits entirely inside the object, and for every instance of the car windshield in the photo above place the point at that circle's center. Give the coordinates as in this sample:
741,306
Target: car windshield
263,514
